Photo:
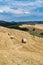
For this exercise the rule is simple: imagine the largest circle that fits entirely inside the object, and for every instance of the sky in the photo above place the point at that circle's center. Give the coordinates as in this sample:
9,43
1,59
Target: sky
21,10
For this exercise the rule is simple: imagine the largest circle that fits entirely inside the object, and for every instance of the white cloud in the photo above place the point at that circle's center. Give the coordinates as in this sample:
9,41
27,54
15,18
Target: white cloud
22,8
21,3
14,11
27,12
1,11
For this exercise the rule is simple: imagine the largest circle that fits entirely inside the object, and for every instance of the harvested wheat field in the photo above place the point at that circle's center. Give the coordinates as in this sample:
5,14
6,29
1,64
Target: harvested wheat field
38,27
14,52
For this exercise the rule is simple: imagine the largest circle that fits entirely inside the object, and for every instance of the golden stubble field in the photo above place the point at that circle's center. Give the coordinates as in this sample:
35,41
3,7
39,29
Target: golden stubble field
14,52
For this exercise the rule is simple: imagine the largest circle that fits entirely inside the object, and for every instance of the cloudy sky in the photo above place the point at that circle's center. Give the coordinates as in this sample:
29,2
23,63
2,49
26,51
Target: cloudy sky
21,10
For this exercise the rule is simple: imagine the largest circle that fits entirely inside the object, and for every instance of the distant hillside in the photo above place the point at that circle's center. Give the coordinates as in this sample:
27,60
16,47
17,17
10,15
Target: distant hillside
5,23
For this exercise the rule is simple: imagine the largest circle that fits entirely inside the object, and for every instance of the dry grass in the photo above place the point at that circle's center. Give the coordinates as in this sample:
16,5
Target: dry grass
13,52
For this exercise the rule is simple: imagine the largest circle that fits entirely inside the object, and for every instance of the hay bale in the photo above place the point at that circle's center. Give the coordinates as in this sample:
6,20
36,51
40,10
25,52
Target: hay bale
9,33
24,40
12,37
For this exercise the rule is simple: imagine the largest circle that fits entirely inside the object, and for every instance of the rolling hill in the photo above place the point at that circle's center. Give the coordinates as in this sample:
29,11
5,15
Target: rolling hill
14,52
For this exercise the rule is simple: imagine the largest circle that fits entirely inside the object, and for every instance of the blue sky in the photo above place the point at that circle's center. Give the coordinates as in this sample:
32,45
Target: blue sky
21,10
